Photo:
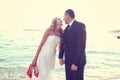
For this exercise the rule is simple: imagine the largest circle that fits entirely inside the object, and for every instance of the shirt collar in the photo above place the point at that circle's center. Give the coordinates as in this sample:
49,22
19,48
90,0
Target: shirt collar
70,24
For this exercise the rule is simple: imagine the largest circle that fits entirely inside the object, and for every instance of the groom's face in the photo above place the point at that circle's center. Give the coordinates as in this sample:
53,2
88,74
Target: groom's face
66,18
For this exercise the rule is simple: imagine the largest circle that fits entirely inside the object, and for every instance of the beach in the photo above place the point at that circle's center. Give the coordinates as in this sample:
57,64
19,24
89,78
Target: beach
17,49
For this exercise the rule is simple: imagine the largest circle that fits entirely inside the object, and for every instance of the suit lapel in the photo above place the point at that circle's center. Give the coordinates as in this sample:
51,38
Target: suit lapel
72,28
68,33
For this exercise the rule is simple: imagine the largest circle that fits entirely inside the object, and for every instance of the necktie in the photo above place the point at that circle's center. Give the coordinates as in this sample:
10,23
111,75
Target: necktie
68,27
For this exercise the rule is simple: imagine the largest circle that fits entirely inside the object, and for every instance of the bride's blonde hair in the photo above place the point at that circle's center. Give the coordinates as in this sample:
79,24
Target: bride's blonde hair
54,23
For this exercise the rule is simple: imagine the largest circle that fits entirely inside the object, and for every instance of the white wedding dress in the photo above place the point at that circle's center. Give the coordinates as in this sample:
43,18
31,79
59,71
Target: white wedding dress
46,58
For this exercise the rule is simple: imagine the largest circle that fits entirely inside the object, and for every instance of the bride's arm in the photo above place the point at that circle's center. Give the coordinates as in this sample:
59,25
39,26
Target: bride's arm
59,45
61,39
46,34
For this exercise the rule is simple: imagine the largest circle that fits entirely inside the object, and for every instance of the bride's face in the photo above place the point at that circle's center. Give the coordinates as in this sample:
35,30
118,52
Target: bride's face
59,22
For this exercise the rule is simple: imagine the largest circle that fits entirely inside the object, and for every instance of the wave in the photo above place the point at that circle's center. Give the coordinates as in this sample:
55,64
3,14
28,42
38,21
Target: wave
32,30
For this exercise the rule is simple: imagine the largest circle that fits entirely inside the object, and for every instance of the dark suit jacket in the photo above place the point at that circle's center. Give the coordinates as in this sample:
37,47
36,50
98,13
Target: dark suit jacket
74,44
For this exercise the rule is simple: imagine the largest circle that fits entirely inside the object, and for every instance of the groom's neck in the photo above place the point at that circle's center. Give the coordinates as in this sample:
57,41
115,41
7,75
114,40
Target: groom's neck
70,20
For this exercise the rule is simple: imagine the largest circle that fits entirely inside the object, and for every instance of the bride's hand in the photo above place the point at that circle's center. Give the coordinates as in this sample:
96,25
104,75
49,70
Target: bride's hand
61,61
34,62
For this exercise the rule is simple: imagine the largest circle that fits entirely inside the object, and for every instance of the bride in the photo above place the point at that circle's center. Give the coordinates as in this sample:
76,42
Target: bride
45,55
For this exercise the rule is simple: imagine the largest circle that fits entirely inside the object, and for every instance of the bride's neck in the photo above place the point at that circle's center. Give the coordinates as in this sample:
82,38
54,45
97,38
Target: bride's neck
56,30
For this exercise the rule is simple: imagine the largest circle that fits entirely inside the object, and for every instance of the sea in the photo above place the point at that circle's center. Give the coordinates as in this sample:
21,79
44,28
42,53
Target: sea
18,48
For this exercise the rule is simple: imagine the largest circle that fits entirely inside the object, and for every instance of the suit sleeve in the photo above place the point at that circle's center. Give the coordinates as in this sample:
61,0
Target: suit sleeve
61,53
80,44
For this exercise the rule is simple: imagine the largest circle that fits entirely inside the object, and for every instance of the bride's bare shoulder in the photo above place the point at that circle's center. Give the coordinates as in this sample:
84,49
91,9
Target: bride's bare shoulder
48,30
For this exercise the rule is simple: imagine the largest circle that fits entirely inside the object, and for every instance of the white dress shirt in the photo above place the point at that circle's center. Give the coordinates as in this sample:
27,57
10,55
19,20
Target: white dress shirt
70,24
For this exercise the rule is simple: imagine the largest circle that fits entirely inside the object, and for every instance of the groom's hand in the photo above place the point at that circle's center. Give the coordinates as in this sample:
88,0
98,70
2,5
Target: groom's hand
61,61
74,67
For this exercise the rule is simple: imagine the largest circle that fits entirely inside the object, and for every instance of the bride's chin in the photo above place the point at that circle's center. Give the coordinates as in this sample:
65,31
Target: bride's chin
61,25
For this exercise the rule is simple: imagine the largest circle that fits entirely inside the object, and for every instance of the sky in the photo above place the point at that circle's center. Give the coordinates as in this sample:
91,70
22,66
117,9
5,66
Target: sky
96,14
99,16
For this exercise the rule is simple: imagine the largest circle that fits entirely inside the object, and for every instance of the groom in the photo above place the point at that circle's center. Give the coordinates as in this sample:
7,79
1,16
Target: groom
73,47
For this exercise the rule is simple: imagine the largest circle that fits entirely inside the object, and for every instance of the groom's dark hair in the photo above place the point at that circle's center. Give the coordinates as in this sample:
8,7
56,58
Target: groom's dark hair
70,12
